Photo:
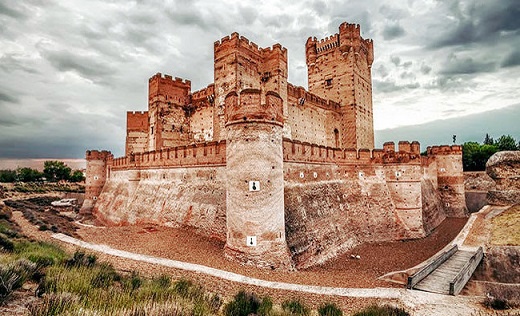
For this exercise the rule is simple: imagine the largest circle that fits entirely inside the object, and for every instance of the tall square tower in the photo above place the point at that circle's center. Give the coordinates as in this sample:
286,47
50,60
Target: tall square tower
339,69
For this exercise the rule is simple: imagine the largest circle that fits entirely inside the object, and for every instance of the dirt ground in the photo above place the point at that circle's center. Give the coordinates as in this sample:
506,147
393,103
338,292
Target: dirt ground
344,271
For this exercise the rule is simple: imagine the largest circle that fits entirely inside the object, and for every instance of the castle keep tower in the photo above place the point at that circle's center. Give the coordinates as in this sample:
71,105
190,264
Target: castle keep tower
241,64
339,69
168,100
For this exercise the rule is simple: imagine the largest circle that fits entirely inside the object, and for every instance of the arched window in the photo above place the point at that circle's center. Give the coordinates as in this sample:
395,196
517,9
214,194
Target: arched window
336,138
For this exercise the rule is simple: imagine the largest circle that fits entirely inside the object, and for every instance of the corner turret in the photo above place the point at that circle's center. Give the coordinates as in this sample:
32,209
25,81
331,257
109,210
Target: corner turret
98,168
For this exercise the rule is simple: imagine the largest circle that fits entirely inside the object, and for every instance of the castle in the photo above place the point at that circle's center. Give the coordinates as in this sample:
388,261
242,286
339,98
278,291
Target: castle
288,178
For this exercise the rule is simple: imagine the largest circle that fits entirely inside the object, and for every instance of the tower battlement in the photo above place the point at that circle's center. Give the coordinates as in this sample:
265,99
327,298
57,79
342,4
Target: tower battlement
238,41
98,155
444,150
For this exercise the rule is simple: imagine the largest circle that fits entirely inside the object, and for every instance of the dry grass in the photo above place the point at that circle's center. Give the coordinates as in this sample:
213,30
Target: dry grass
506,228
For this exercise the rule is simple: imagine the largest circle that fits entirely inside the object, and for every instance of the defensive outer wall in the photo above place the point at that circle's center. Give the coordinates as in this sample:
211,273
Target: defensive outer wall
279,173
333,199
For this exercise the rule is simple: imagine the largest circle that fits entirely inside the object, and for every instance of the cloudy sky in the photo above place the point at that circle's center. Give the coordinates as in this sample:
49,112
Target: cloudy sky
69,70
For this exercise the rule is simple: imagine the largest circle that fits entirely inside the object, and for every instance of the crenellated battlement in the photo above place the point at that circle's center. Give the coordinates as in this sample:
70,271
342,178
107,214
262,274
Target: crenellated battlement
238,41
169,78
444,150
305,98
202,154
98,155
247,106
296,151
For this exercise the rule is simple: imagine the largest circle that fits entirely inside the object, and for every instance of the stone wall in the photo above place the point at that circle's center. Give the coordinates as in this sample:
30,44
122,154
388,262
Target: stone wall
192,196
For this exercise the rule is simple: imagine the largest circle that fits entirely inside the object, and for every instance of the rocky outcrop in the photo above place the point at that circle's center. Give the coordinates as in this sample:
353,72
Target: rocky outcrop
504,168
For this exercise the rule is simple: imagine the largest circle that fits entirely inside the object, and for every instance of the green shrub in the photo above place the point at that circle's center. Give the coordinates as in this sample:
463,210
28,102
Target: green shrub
5,243
242,304
80,259
43,227
104,276
162,282
6,229
295,307
329,309
266,307
385,310
13,276
135,281
182,287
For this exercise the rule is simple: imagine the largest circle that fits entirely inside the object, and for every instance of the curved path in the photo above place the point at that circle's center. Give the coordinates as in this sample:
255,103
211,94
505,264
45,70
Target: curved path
235,277
422,303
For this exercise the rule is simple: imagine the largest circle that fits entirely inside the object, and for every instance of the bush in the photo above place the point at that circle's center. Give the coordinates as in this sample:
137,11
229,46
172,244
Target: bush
385,310
79,259
266,307
105,276
329,309
162,282
13,276
295,307
242,304
5,243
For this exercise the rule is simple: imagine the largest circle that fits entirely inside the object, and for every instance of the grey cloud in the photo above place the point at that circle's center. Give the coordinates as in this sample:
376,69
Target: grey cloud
320,7
4,97
407,64
395,60
392,13
511,60
407,75
465,66
393,31
248,14
8,10
85,66
387,86
425,69
480,22
382,71
10,63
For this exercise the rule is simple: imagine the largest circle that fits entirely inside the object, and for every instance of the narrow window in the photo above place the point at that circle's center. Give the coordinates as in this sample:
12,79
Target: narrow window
336,137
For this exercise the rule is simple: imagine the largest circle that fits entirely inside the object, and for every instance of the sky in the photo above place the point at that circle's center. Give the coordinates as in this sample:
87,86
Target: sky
70,69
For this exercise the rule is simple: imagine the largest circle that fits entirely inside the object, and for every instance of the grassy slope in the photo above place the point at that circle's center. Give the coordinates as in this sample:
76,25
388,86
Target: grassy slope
506,228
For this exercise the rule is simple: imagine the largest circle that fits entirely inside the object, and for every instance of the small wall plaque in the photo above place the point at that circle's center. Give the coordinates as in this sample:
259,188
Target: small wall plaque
251,241
254,186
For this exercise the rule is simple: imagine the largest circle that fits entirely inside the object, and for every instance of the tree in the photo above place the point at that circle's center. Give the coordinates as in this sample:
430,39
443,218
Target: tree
77,176
475,156
7,175
506,143
488,140
26,174
56,170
